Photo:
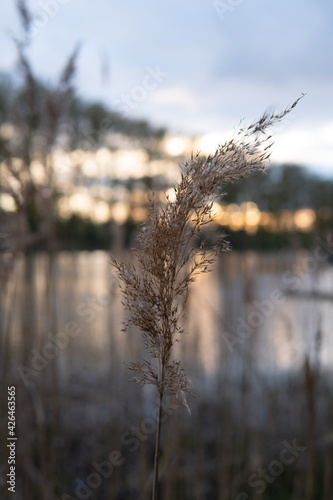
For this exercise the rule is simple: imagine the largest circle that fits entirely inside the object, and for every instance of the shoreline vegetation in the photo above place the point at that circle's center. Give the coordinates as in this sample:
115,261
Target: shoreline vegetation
156,286
259,352
80,405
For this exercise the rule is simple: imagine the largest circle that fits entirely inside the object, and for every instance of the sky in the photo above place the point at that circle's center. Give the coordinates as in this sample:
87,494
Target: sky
197,67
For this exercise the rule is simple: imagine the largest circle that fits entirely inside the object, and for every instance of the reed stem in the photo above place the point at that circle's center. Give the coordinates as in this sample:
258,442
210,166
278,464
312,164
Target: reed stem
157,448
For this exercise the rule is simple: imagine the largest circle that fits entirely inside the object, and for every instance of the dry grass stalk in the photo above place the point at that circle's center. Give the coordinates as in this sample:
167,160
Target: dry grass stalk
156,290
37,120
36,114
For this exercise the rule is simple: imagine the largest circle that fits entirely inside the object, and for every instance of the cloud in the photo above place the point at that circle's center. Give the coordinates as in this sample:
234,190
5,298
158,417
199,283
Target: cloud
263,54
179,96
307,146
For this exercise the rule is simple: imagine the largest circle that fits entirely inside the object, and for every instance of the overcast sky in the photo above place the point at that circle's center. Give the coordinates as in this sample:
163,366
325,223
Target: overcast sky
195,66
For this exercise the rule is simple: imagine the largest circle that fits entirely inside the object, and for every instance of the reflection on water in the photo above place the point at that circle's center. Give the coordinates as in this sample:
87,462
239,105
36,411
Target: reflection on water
252,316
266,310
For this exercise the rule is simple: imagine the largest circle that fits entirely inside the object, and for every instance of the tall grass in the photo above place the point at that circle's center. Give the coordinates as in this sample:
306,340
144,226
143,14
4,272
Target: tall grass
36,115
155,292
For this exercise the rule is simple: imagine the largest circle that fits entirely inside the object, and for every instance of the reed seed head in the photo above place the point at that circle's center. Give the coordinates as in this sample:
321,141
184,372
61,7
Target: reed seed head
156,289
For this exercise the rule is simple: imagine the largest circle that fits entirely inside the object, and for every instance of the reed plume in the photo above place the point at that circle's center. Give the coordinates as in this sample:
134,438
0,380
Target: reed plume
37,115
155,290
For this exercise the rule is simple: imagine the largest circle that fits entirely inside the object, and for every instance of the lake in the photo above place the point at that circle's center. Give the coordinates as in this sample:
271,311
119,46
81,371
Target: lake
257,346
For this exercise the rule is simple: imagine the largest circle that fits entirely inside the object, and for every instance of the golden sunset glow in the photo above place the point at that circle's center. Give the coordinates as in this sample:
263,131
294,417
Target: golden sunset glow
7,202
176,145
120,212
304,219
